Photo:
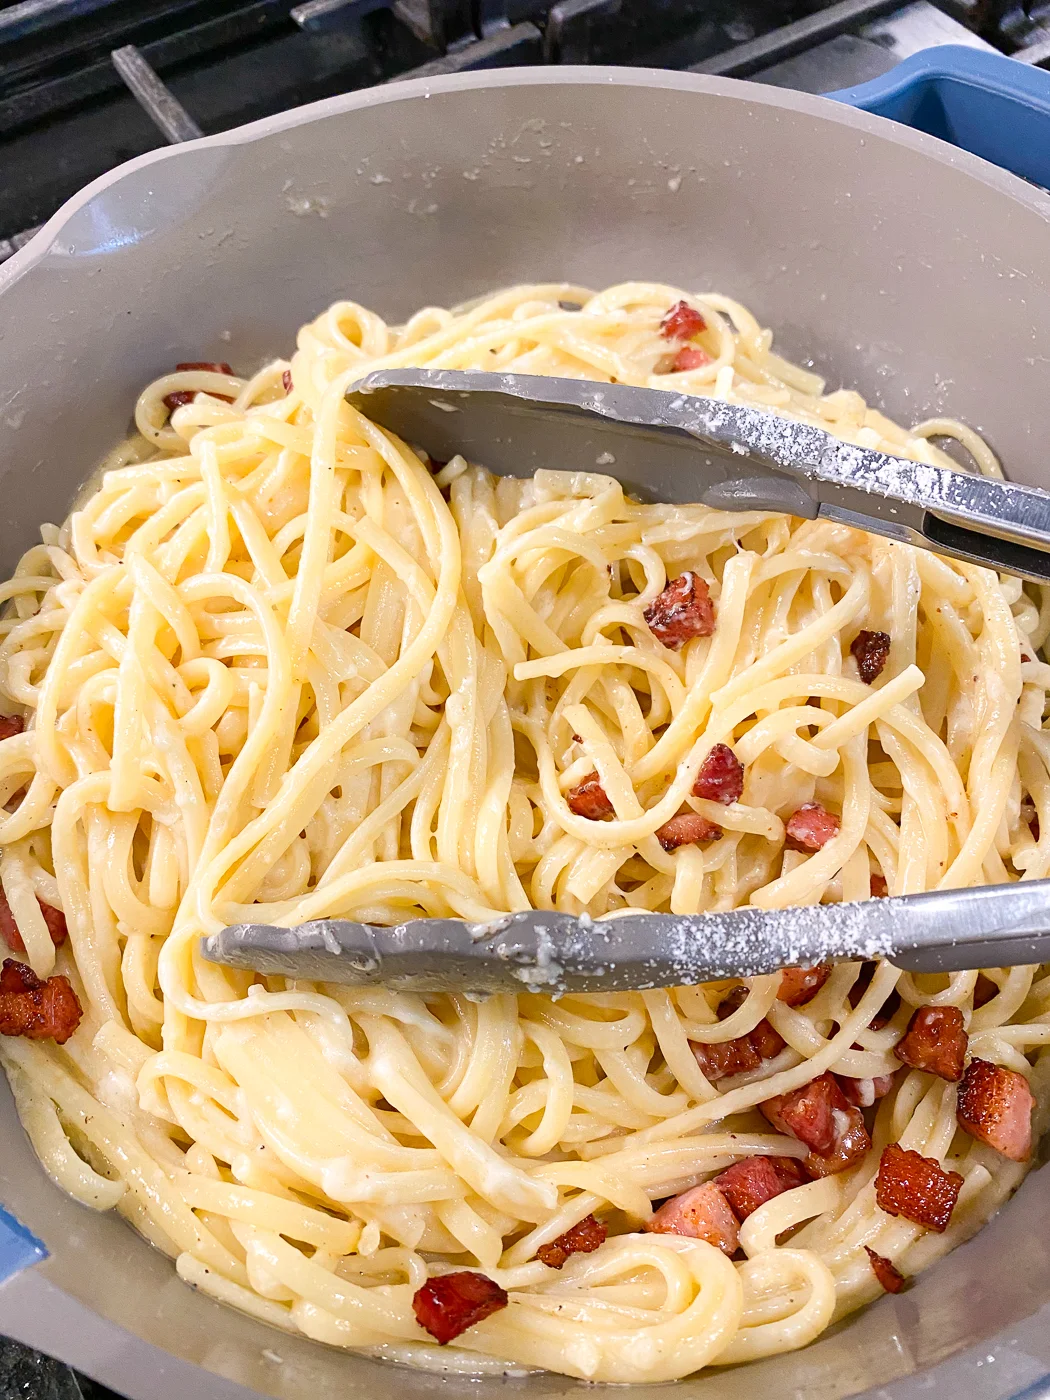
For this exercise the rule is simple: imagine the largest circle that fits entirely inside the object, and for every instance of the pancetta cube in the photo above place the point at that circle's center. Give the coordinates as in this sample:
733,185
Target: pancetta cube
916,1187
801,984
702,1213
819,1115
811,827
582,1238
935,1041
995,1106
752,1182
447,1305
721,776
588,799
683,610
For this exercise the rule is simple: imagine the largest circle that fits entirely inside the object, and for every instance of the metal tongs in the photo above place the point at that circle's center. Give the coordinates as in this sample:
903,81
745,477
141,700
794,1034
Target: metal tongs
681,449
665,446
539,951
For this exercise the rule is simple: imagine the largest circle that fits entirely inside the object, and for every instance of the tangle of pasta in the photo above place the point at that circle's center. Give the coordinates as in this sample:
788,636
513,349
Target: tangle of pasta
277,666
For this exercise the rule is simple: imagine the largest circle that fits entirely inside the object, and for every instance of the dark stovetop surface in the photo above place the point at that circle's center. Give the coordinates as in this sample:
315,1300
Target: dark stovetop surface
86,84
27,1375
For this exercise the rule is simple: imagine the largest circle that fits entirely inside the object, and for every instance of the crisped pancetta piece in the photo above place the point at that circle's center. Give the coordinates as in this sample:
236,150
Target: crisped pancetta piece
447,1305
801,984
885,1271
682,322
871,651
702,1213
820,1115
916,1187
54,918
721,776
588,799
995,1106
720,1059
935,1041
582,1238
686,829
682,611
39,1010
752,1182
863,1093
811,827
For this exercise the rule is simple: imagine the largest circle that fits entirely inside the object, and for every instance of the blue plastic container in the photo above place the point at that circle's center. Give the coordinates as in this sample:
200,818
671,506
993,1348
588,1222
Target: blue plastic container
988,104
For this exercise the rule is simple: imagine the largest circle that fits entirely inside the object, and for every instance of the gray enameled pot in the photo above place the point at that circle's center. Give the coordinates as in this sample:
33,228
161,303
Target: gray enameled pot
897,264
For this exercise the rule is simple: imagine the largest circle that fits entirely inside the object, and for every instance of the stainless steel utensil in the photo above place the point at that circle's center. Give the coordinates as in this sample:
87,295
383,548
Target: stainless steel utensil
676,447
993,926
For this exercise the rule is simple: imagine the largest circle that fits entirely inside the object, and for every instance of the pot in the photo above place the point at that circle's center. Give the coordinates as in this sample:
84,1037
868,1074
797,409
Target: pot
893,262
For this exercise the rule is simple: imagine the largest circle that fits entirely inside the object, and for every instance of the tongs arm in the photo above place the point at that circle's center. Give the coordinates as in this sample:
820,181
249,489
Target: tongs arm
681,448
538,950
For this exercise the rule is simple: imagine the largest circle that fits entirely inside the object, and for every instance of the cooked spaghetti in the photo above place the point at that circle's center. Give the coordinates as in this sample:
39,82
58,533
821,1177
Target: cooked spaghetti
278,666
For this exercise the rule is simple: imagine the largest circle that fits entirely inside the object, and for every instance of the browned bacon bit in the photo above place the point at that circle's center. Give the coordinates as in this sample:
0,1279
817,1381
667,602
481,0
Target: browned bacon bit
916,1187
852,1145
183,396
210,366
447,1305
682,611
38,1010
582,1238
886,1271
588,799
887,1011
702,1213
286,380
870,651
682,322
748,1184
732,1001
571,305
819,1115
995,1106
862,1093
935,1041
721,1058
811,827
721,777
689,357
766,1041
879,887
801,984
54,918
686,829
10,725
983,991
56,923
